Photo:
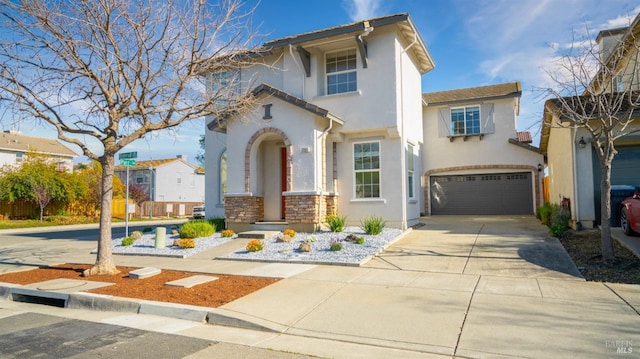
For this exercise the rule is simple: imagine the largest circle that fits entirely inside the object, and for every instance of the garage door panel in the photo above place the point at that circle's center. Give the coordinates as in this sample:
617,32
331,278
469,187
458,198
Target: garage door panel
481,194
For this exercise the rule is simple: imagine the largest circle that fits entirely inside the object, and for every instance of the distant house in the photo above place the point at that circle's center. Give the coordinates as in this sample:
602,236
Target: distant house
167,180
15,148
573,165
341,126
475,161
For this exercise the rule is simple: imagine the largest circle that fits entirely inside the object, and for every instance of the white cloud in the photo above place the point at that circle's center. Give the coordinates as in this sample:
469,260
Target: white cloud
362,9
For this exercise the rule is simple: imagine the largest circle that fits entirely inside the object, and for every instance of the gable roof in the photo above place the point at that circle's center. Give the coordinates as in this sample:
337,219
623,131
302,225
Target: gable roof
18,143
402,21
143,165
481,93
219,123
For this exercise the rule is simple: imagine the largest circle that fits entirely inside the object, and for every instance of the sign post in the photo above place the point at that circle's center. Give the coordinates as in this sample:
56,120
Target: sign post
127,159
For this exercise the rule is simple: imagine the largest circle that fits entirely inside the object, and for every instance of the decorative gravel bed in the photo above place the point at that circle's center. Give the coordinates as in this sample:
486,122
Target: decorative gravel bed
145,246
351,253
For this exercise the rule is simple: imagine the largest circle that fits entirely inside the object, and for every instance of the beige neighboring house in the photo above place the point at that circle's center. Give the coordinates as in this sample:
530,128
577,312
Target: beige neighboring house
573,166
475,161
14,149
167,180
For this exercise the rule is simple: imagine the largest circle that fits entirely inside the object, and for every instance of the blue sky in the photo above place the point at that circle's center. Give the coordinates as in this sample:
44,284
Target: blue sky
473,43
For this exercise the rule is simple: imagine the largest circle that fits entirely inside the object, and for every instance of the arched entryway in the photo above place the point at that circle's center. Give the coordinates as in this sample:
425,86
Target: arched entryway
268,170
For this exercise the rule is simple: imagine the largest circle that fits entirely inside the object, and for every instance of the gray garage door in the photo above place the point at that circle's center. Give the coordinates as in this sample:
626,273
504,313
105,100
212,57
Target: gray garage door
495,193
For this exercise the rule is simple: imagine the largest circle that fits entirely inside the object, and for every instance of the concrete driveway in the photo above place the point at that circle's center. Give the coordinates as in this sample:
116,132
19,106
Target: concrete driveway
456,287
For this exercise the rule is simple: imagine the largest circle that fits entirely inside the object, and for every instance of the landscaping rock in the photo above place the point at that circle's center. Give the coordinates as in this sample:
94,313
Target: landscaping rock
284,238
352,238
305,247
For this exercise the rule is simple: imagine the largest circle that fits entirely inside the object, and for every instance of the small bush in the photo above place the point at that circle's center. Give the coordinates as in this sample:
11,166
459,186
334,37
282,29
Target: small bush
336,223
289,232
228,233
255,245
544,213
335,245
559,222
197,229
218,222
372,225
136,234
360,240
128,241
147,229
186,243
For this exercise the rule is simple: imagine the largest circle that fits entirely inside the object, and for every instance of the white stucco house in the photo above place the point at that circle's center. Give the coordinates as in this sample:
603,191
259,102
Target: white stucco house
573,166
168,180
15,148
341,126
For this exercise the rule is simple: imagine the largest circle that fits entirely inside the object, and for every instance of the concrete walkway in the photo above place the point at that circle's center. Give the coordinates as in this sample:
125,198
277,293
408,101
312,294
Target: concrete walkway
456,287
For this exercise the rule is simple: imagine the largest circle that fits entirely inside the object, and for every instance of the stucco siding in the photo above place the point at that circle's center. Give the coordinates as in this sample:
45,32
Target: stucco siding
216,144
560,164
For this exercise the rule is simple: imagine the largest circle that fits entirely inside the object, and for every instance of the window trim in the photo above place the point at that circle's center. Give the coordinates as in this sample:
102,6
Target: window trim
347,71
354,171
411,193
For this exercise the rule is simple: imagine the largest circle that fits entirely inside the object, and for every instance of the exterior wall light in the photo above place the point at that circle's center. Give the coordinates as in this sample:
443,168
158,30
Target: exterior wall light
539,167
582,143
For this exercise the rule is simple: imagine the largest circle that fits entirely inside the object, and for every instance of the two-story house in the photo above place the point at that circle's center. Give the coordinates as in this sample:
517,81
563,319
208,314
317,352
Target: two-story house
341,126
474,159
15,148
338,127
167,180
573,165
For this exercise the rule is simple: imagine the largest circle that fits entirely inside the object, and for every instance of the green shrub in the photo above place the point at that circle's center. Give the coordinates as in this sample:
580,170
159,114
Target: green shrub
360,240
336,223
544,213
128,241
197,229
559,221
147,229
218,222
372,225
335,245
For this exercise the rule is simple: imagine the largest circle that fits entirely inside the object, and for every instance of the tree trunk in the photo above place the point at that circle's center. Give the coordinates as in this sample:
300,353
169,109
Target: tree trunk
104,260
41,212
605,208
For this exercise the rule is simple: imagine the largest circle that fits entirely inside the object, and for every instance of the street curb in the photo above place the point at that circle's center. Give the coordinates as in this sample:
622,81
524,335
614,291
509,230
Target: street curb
108,303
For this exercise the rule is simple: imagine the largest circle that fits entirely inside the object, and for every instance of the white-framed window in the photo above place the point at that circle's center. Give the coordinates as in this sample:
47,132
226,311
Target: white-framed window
465,120
19,156
223,176
410,170
366,168
224,86
340,68
179,178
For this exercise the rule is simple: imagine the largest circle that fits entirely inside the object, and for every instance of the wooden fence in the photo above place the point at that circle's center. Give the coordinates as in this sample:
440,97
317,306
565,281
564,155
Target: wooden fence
22,209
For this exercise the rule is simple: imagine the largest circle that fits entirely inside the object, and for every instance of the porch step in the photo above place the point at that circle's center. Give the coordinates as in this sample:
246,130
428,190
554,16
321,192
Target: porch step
269,226
257,234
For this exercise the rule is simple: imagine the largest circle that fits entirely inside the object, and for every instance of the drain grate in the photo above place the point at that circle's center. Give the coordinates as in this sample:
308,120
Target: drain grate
25,298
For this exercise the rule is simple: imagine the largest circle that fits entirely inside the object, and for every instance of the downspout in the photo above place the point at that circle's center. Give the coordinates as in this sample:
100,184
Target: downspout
403,162
323,158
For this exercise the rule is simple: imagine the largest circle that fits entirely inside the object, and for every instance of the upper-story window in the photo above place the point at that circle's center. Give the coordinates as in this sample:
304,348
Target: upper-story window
618,83
465,121
19,157
224,86
341,71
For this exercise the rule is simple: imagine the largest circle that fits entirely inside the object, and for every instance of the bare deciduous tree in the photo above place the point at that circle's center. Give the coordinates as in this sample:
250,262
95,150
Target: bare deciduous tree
105,73
599,92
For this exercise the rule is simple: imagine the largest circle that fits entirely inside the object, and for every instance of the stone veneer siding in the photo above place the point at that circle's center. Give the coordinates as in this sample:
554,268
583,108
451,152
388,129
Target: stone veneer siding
244,209
426,183
309,209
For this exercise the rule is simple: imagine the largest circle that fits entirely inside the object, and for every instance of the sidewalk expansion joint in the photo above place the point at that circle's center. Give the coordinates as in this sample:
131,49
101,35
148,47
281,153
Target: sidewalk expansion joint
473,246
624,300
466,313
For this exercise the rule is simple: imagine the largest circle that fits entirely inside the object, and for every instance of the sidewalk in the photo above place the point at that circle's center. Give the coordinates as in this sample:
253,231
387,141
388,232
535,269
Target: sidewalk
457,287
